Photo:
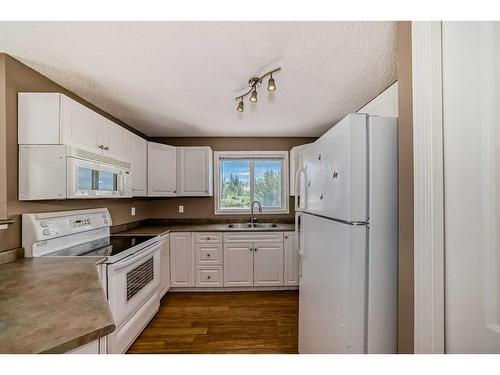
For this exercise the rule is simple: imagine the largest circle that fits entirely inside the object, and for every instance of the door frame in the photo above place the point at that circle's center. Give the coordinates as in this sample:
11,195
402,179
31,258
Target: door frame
428,187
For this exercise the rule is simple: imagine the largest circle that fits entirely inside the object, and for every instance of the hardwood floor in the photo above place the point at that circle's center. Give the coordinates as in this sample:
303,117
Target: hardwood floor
232,322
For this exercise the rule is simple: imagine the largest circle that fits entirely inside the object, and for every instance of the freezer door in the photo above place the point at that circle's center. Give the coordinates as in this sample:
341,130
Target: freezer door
336,171
332,286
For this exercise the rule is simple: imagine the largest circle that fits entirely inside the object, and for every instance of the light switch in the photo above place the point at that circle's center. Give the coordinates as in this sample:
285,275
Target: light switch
132,211
181,208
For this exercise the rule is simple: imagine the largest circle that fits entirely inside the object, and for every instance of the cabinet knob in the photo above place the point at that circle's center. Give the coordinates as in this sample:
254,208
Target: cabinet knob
106,148
255,249
208,277
101,147
208,255
286,237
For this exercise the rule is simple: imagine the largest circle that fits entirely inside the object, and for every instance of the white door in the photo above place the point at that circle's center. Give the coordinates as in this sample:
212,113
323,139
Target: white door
332,287
139,166
290,260
80,126
162,170
116,140
471,93
181,260
268,264
164,266
238,264
337,170
195,171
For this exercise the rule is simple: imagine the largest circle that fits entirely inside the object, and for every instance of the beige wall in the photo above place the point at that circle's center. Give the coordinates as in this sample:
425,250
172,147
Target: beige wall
203,207
18,77
405,285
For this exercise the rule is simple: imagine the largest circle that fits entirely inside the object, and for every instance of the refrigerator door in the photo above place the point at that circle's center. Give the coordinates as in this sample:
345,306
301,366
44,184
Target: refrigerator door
336,171
332,286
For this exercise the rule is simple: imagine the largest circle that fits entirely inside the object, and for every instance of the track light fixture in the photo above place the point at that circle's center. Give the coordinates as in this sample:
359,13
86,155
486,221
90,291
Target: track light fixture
255,82
240,106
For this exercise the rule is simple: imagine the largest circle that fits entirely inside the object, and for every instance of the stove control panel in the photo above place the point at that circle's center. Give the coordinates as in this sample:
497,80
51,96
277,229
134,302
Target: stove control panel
58,224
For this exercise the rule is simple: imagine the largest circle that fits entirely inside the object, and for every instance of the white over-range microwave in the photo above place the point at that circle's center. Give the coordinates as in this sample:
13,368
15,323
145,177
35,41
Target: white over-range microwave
65,172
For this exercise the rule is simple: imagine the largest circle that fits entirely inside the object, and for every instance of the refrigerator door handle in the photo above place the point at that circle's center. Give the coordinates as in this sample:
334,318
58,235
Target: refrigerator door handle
298,194
297,241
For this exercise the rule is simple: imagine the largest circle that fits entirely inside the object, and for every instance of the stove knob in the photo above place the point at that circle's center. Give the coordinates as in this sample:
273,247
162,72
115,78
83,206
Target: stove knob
43,224
105,221
46,232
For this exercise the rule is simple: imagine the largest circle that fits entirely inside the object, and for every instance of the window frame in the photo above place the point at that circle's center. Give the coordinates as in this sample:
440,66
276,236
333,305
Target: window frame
252,155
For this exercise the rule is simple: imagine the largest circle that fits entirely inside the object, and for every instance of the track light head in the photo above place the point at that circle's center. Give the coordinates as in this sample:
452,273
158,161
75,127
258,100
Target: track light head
240,107
253,97
271,85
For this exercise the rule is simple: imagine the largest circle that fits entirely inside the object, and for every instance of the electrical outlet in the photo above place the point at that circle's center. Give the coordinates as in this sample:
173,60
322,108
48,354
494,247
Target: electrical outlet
181,208
132,211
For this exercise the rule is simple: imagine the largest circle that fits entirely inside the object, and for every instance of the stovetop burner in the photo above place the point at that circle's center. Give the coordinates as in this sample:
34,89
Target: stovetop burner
107,246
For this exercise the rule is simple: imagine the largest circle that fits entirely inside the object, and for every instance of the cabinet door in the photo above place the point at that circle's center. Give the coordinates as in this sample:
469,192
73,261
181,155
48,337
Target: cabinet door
195,171
162,166
238,264
165,266
181,260
139,165
268,264
80,126
115,139
290,260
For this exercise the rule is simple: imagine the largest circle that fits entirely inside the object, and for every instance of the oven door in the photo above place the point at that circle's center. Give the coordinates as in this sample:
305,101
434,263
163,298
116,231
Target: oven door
132,281
89,179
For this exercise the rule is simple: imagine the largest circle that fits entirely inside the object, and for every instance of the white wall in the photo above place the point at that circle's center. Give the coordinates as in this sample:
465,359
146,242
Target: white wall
385,104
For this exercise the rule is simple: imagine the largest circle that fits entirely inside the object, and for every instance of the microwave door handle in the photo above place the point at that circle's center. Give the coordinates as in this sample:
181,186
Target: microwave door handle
122,182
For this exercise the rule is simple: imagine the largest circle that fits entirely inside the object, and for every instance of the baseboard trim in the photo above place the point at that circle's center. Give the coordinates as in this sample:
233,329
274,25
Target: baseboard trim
236,289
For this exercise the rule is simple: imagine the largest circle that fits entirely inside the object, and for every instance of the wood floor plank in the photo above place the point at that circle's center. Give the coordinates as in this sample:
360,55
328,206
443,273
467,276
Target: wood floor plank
232,322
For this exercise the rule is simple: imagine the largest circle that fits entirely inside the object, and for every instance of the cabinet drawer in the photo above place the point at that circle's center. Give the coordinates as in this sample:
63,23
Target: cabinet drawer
208,237
207,254
209,276
255,237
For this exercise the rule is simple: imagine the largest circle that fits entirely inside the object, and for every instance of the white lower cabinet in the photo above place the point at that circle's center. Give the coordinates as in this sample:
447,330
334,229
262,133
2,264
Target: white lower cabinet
181,260
233,259
164,265
209,276
238,264
90,348
268,264
290,260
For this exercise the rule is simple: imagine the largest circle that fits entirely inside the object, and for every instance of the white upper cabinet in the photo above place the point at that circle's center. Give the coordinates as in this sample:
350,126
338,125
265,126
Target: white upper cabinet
115,140
139,165
53,118
80,126
195,171
162,170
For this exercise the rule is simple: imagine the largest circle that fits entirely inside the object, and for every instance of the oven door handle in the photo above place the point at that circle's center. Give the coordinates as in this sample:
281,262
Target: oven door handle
134,258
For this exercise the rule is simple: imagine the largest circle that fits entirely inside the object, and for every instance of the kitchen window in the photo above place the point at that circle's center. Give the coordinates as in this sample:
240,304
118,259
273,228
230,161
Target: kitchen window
244,177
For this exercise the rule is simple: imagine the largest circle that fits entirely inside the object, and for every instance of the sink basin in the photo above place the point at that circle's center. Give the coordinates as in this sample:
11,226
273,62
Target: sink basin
249,225
265,225
240,226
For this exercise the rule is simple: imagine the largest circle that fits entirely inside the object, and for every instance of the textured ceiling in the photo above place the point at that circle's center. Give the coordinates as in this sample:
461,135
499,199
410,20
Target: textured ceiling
180,78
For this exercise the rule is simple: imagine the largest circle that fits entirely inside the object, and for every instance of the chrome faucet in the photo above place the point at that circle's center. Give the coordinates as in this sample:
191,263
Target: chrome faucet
251,209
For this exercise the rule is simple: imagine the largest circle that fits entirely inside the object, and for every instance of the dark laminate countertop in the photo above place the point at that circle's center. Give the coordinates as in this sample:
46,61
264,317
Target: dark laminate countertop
51,305
163,229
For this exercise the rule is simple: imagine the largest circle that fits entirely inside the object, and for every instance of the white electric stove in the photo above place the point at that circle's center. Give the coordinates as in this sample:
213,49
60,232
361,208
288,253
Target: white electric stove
130,275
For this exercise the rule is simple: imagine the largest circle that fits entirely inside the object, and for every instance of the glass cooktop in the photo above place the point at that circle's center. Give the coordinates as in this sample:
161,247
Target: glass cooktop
107,246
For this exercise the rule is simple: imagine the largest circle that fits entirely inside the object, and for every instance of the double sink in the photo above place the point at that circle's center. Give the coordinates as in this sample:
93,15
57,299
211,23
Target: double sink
252,226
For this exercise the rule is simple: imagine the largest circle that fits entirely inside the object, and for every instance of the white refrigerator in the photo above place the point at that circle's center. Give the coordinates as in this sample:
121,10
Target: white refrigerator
347,238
